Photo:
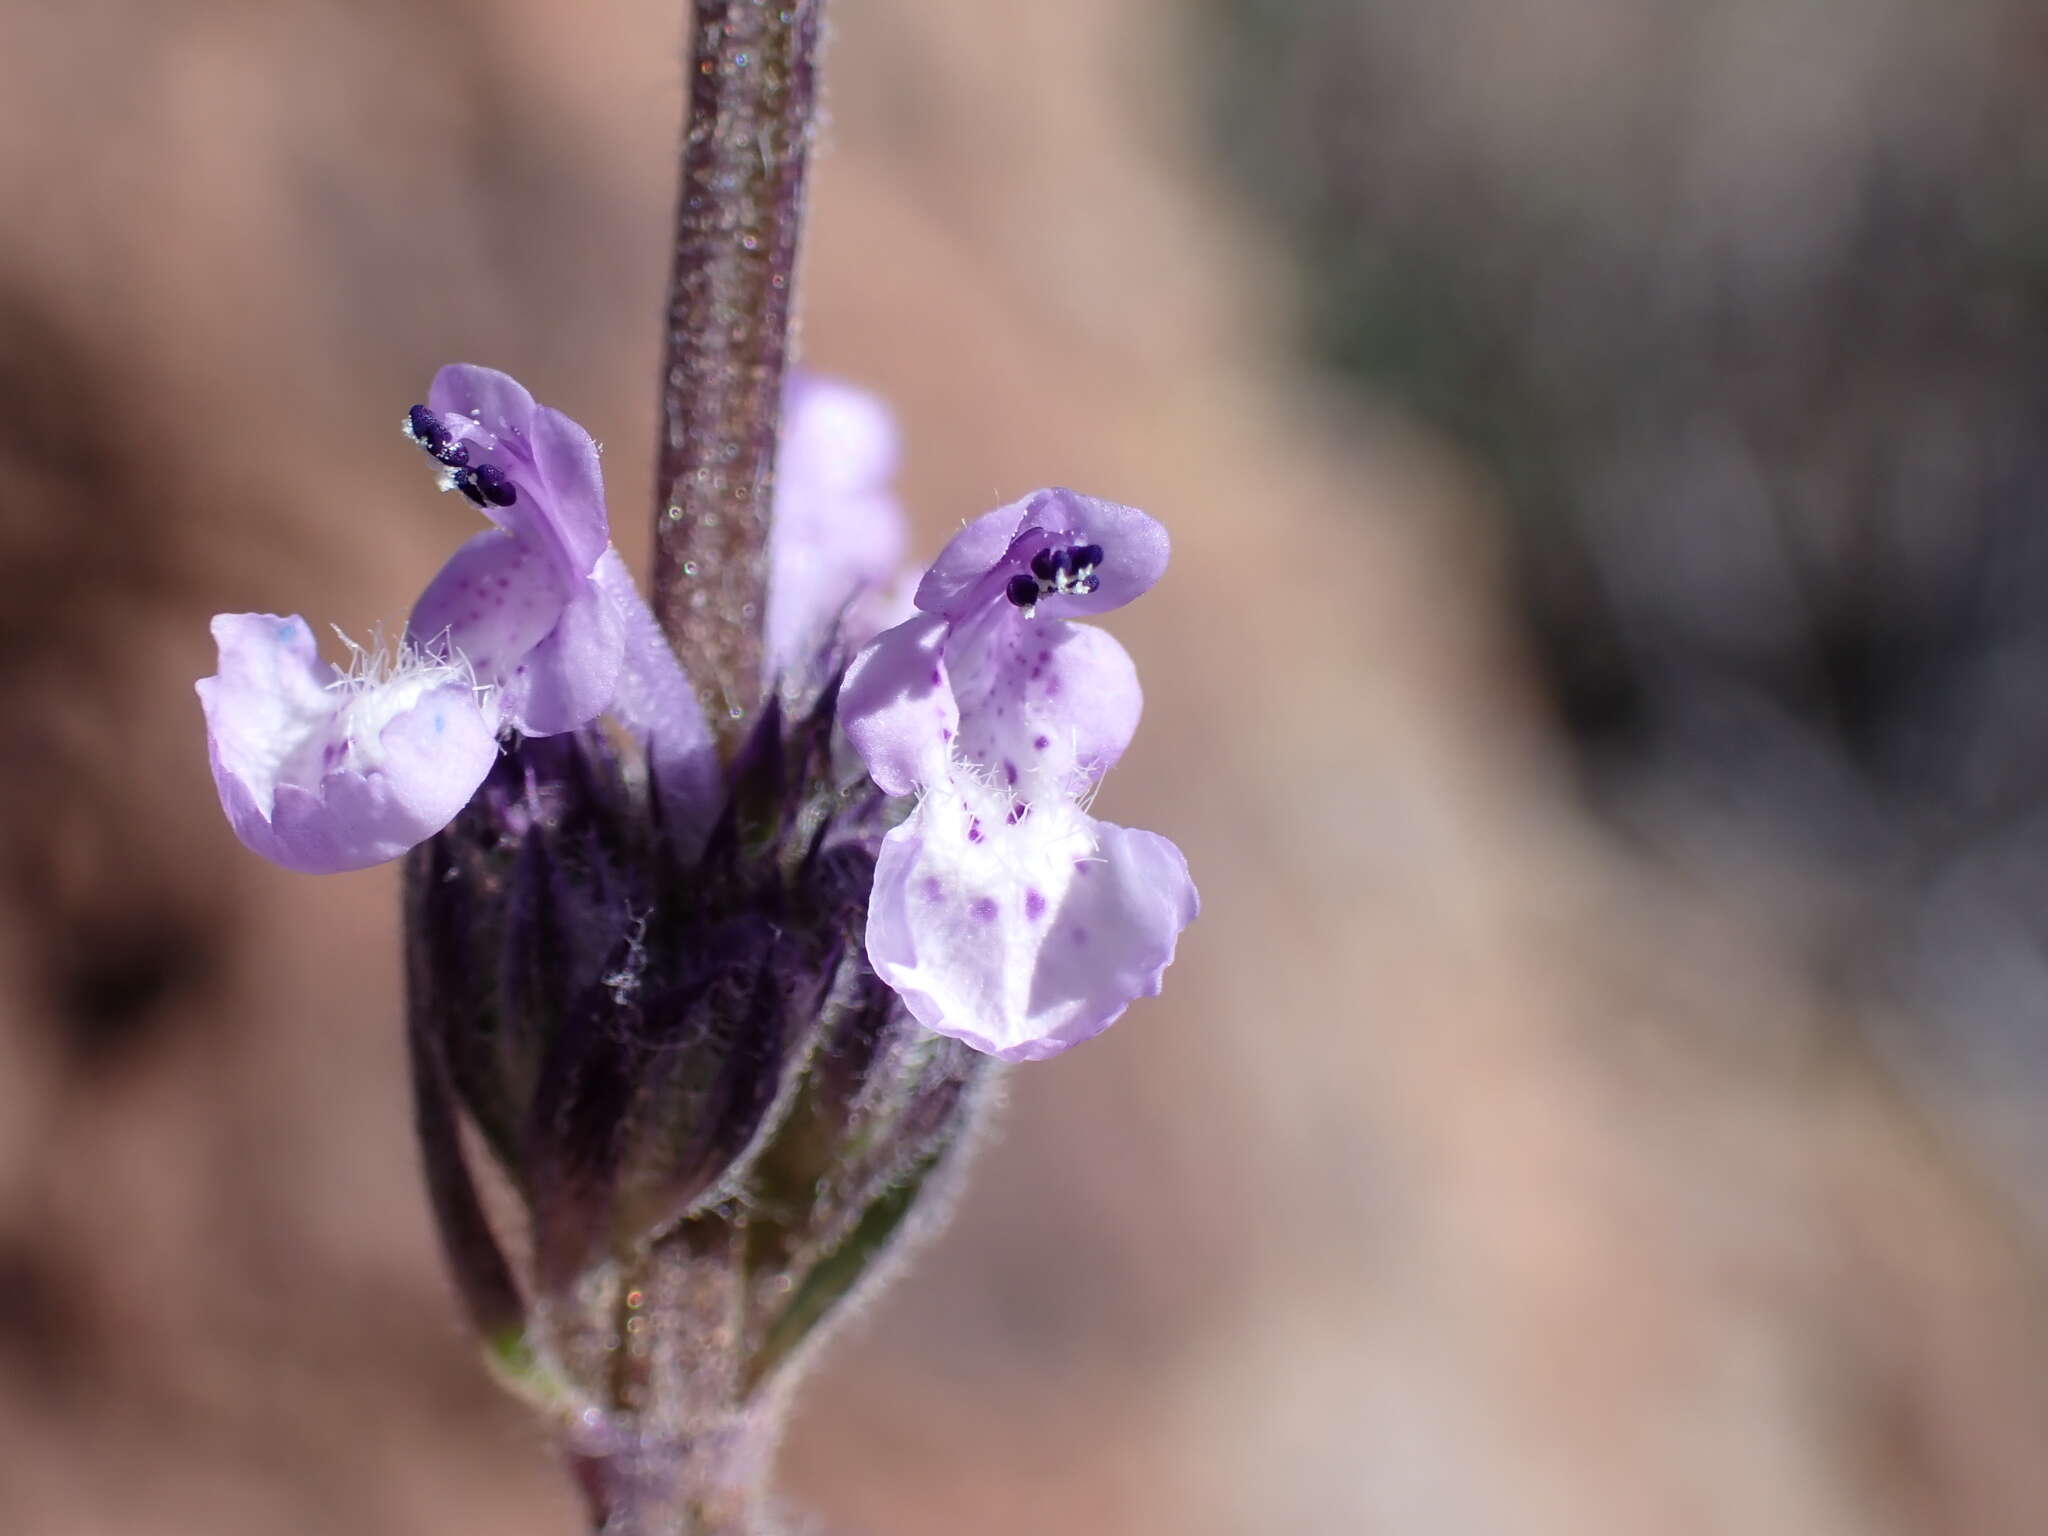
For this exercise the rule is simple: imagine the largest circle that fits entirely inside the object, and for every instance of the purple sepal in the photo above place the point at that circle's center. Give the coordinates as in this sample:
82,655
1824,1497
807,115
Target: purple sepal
322,771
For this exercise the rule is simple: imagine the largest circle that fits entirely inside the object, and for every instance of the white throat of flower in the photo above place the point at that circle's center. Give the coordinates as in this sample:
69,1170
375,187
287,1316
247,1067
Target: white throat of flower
380,682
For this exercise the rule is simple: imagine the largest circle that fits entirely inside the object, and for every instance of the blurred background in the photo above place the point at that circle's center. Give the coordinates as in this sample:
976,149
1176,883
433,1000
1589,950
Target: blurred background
1600,690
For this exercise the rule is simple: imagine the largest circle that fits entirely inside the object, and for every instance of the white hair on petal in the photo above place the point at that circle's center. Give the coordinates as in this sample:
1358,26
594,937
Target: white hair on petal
433,662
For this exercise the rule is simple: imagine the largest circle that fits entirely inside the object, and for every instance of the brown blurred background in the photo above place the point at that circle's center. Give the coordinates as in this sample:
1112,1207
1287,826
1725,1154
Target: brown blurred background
1600,689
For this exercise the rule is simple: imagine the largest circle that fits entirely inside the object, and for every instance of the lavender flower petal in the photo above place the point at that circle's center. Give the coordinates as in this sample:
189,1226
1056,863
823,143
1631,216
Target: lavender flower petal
898,708
982,558
551,459
493,601
1045,706
321,771
518,603
656,705
1023,937
838,535
570,677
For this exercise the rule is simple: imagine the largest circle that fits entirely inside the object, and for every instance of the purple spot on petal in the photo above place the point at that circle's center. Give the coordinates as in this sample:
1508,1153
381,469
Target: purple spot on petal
1042,743
983,909
1034,905
1052,686
1044,656
932,889
938,677
974,829
1082,866
1009,770
1080,937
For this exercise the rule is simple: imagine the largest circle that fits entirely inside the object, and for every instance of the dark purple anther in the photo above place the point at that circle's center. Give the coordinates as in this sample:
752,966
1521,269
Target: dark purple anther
1088,554
494,486
1041,567
1022,591
426,429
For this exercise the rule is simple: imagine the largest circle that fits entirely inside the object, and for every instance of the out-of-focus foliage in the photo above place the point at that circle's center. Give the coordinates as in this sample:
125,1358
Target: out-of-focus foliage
1743,309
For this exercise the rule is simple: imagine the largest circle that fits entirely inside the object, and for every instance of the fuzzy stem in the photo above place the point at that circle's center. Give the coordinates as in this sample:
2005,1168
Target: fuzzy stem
753,100
669,1442
708,1484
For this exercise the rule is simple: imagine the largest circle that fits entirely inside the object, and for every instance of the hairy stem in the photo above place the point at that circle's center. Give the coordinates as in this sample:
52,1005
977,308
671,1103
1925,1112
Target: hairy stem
669,1443
708,1484
753,100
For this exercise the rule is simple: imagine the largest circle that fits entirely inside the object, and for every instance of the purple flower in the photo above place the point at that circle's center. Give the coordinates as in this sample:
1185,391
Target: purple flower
838,537
518,602
533,626
1003,913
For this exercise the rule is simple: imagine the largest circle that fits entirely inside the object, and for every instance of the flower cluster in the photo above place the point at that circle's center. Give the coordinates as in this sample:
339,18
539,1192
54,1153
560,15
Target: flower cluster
1001,912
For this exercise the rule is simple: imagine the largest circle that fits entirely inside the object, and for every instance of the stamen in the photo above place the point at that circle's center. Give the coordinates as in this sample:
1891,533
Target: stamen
497,489
426,429
1023,592
485,485
1066,572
